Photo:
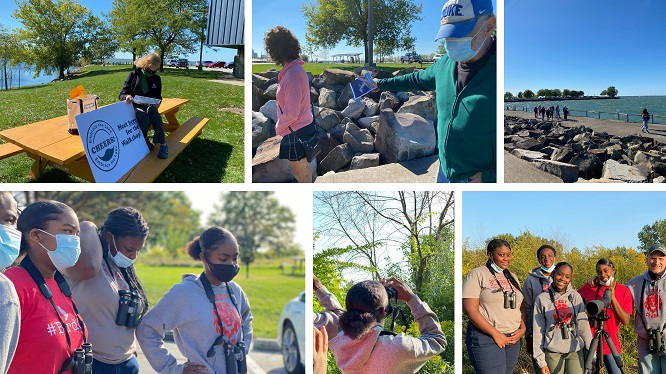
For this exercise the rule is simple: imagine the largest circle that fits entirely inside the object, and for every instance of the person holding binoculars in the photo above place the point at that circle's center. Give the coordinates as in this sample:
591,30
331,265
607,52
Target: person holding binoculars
209,314
561,329
617,311
650,320
107,289
10,312
493,302
363,346
53,337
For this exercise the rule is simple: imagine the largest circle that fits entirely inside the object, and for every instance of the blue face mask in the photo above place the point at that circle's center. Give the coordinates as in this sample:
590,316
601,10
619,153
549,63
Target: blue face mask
120,259
547,270
460,49
10,243
68,249
495,267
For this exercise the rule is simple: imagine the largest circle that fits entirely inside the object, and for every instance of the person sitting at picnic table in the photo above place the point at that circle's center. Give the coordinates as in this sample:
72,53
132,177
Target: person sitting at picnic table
144,81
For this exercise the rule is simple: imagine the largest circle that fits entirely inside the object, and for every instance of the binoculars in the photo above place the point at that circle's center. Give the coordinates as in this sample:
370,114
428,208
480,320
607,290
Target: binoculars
655,341
567,331
128,309
392,293
509,300
235,358
83,359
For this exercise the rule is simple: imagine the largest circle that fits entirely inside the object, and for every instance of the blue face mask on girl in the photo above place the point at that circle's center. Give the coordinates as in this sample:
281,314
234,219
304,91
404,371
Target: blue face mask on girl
68,249
460,49
10,243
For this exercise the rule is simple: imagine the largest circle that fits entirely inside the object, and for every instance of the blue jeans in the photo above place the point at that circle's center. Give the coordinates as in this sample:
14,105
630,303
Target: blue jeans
150,117
441,178
647,363
486,356
130,366
645,126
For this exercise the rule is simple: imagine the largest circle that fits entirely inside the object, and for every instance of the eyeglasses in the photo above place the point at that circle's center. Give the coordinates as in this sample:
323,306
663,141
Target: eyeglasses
218,341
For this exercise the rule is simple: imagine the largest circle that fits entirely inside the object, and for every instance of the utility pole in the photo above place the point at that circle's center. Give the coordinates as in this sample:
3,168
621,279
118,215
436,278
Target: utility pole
368,48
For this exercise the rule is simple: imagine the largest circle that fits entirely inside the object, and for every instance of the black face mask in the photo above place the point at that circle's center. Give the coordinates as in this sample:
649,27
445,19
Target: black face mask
224,272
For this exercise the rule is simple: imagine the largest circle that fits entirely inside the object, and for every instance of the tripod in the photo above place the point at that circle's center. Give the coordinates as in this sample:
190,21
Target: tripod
597,346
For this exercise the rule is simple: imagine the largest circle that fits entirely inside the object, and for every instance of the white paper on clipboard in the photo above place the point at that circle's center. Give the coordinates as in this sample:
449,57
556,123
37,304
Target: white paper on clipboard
361,86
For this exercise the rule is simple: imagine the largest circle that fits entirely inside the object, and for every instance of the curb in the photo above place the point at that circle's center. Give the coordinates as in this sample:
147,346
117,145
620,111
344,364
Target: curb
261,344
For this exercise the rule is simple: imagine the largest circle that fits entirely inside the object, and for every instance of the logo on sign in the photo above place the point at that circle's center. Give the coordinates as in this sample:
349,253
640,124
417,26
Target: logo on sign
103,148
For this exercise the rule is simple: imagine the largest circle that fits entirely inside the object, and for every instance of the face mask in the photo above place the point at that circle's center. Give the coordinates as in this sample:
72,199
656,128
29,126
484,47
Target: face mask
10,242
224,272
495,267
548,270
68,249
120,259
607,282
460,49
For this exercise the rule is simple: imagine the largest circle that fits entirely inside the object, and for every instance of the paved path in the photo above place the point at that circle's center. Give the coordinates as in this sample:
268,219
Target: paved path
421,170
517,170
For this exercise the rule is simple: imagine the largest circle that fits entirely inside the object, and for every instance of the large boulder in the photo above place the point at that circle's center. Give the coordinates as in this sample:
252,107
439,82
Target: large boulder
259,80
370,123
567,172
345,95
257,99
337,76
337,159
268,168
404,136
587,165
616,171
425,106
271,92
388,100
326,119
262,129
269,110
371,107
328,98
360,140
354,109
364,161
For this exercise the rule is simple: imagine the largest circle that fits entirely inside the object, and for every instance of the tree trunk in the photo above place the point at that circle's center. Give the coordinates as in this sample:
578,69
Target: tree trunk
4,66
62,73
247,270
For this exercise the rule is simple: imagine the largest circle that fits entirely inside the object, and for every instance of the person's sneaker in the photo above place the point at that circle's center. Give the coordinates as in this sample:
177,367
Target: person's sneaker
150,145
164,151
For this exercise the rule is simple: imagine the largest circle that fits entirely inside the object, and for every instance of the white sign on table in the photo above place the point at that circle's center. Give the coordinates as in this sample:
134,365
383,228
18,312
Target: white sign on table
112,140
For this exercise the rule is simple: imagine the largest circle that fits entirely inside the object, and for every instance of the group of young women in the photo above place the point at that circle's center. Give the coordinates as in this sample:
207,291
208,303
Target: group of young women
553,316
75,292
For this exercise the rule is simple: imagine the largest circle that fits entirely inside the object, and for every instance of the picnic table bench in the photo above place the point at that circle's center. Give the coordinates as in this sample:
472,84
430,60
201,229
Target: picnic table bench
49,143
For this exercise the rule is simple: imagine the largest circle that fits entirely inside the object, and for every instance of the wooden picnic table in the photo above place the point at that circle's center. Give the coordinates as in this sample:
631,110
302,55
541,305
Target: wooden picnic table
49,143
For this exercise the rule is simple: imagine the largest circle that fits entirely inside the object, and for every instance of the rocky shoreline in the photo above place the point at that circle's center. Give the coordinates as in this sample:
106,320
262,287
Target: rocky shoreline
577,154
378,129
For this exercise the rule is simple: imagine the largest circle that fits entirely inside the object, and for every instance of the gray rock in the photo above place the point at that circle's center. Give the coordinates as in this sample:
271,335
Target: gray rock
354,109
326,119
270,110
318,83
259,80
271,92
529,144
616,171
345,96
268,168
402,137
337,132
328,99
641,157
388,100
659,179
314,95
425,106
337,159
262,129
403,96
371,107
528,155
365,161
337,76
360,140
257,99
567,172
587,165
370,123
270,73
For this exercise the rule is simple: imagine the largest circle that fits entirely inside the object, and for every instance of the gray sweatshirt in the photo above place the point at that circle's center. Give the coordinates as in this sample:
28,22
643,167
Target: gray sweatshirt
400,354
330,316
535,284
653,307
186,310
547,321
10,315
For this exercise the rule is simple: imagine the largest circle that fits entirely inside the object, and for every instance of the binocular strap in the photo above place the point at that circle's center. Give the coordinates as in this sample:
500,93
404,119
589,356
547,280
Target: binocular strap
559,317
211,297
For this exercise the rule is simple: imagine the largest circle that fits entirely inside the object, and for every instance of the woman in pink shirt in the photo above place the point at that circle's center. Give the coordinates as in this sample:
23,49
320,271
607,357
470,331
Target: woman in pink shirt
293,99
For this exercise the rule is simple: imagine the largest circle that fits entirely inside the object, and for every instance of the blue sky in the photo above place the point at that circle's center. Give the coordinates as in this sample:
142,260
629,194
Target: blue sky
104,6
269,13
585,45
584,219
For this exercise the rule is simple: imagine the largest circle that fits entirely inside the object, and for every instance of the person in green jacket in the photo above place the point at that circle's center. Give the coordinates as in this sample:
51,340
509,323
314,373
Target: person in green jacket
465,81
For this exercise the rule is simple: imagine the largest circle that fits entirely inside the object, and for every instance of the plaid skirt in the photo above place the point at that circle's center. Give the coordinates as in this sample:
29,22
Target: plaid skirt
291,148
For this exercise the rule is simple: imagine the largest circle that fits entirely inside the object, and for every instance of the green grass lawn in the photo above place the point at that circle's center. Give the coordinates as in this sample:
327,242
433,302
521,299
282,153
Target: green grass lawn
317,68
267,289
215,156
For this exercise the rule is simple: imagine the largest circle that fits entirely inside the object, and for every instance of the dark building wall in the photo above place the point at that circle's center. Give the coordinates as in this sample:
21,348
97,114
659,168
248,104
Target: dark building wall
226,23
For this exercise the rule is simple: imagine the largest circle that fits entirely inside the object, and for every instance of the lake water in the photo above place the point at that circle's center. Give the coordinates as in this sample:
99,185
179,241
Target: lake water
26,78
607,109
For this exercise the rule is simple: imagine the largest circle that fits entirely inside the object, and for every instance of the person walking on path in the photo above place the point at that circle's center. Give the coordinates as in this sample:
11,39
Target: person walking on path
557,112
646,117
565,111
536,112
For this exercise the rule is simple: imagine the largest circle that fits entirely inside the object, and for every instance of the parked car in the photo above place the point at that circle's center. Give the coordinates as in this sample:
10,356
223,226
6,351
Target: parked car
207,64
230,65
411,57
437,57
291,335
183,63
218,64
172,62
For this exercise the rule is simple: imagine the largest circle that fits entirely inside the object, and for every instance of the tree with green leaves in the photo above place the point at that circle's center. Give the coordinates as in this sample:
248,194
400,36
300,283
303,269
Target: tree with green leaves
520,94
528,94
508,95
54,32
164,24
258,221
442,47
101,42
652,234
611,91
331,21
12,52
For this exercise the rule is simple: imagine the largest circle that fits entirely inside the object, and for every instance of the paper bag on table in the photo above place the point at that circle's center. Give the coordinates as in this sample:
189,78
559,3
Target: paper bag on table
79,102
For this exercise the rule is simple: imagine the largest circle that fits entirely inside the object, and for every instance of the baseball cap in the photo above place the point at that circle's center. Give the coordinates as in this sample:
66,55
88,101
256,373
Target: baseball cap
658,248
459,17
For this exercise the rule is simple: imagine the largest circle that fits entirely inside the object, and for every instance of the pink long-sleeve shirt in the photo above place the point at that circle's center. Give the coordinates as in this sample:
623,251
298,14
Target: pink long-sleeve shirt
293,98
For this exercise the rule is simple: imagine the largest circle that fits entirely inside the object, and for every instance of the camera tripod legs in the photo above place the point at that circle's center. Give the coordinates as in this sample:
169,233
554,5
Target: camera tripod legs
597,347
